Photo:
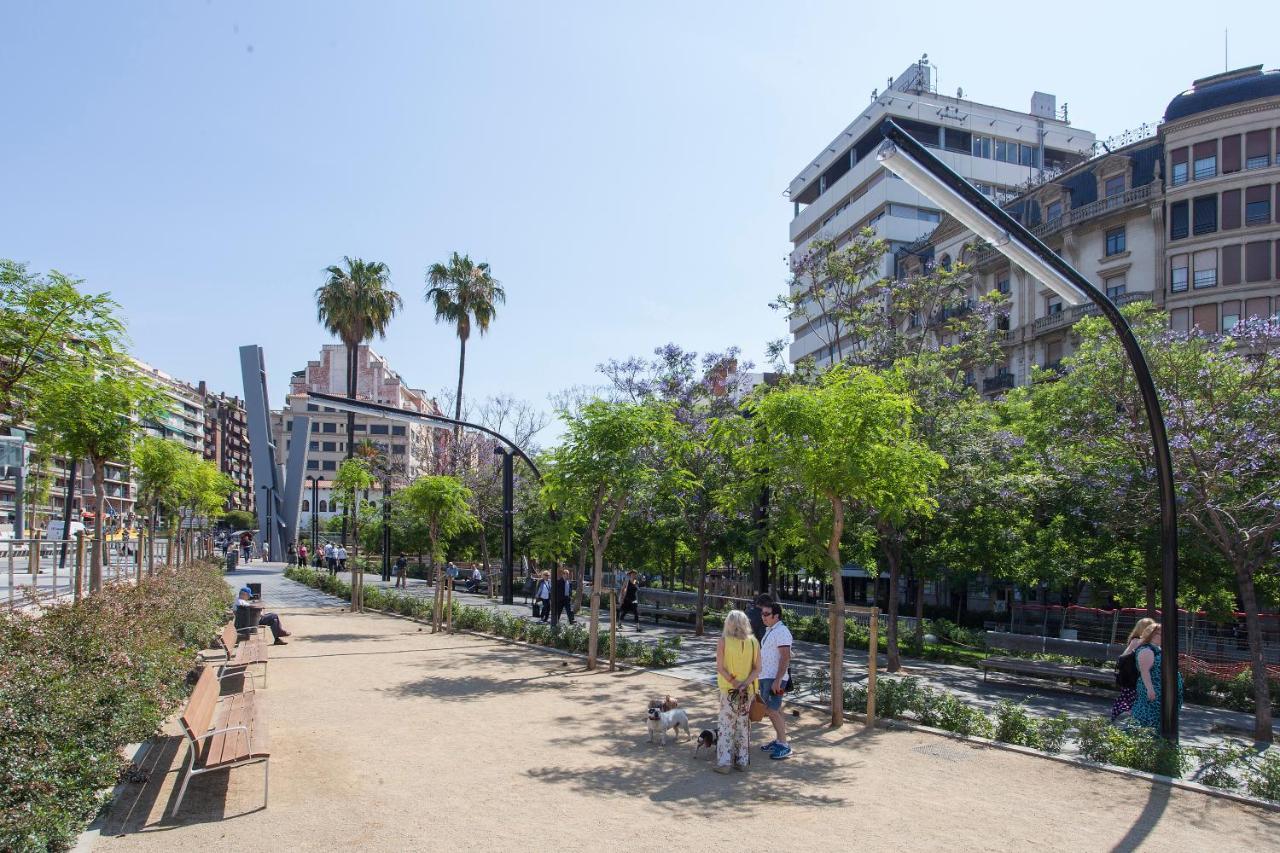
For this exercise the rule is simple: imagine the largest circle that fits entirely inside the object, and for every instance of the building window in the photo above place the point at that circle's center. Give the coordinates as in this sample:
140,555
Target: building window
1230,154
360,428
377,429
1053,305
315,445
1113,186
1257,205
397,449
1257,261
1053,211
1178,274
306,505
315,426
1115,287
1230,315
329,465
1205,164
1179,220
313,465
324,506
1205,272
1230,263
312,407
1257,149
1204,214
1179,173
1002,285
329,427
397,430
329,446
1115,241
1230,210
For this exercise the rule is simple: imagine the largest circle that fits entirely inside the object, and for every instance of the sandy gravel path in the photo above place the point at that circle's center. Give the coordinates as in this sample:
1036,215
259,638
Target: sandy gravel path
385,737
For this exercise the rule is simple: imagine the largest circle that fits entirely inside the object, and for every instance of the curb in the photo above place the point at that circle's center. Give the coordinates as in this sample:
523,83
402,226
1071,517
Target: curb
1184,784
91,833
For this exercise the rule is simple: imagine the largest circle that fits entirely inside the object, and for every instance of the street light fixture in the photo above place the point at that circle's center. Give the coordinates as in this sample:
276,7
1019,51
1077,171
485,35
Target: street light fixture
910,160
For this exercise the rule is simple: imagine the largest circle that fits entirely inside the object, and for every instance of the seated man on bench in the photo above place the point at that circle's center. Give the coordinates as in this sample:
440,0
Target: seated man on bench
244,598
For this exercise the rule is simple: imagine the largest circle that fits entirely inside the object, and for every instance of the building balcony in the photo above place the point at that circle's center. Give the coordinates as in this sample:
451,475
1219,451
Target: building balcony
999,382
1068,316
1076,216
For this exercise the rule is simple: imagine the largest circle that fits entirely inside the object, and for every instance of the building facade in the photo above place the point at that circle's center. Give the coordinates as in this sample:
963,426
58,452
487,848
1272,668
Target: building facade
226,442
844,189
412,449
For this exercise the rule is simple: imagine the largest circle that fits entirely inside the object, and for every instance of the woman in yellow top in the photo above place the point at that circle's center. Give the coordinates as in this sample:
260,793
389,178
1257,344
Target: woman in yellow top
737,666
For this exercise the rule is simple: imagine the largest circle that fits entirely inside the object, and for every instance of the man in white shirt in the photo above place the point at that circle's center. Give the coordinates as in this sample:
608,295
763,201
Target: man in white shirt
775,655
330,560
341,554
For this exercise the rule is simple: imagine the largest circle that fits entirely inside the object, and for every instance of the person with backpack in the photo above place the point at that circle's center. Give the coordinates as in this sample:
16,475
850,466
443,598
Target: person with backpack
775,656
1146,707
1127,671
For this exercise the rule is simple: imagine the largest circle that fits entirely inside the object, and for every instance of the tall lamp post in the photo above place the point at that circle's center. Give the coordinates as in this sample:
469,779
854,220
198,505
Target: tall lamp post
386,529
911,161
508,519
315,510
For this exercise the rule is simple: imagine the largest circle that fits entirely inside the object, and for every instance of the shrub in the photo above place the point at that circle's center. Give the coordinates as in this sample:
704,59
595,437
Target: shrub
82,681
1015,725
956,716
1264,782
1217,765
1138,748
1053,732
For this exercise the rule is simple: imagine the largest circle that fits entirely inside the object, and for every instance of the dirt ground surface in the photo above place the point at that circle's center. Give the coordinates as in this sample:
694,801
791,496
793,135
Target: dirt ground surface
385,737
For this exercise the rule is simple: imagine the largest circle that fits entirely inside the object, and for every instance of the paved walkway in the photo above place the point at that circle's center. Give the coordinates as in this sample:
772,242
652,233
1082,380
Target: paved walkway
386,737
1199,725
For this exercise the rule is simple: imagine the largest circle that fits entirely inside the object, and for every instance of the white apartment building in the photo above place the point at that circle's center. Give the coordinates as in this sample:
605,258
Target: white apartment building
844,189
411,448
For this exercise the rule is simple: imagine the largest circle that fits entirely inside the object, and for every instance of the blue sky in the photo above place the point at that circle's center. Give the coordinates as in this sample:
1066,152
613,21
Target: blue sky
620,166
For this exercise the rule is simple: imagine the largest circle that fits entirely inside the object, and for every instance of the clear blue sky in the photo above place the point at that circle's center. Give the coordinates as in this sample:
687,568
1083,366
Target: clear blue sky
621,168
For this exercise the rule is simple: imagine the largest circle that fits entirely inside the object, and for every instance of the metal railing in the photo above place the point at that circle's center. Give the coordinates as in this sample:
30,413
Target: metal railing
41,572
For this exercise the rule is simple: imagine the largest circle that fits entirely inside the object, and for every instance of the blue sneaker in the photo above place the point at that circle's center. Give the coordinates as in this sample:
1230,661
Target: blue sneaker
768,747
780,752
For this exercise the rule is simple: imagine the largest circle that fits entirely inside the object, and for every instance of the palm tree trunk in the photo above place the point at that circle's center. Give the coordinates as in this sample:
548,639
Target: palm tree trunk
457,403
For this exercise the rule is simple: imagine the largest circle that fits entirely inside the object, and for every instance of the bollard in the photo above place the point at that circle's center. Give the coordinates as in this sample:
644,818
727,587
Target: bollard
34,553
78,586
55,577
871,667
12,548
613,629
448,607
435,601
138,555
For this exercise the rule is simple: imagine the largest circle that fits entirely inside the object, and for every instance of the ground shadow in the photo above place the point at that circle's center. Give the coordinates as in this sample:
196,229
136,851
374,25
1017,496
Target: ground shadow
1157,801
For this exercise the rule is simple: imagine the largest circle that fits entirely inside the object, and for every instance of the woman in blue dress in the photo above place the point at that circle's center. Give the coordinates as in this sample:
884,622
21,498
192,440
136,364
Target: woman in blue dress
1146,707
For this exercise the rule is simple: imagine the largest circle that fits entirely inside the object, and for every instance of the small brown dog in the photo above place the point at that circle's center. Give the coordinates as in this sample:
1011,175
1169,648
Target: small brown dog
664,704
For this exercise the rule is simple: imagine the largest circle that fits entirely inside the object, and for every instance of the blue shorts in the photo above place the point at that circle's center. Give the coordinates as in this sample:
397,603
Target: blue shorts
772,702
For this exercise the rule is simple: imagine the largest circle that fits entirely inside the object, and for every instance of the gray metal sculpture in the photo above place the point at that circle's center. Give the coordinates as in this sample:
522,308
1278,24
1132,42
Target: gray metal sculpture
277,492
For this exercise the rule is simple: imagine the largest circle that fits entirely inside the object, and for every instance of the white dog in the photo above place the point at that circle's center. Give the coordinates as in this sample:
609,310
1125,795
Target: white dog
660,722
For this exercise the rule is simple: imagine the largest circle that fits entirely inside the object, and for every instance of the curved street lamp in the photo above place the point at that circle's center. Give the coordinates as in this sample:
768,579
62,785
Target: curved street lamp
910,160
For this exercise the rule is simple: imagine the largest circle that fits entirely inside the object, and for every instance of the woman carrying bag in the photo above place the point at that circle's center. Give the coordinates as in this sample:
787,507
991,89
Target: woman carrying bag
542,602
737,666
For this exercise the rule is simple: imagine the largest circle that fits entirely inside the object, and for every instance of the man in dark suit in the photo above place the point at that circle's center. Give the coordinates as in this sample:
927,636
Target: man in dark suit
562,602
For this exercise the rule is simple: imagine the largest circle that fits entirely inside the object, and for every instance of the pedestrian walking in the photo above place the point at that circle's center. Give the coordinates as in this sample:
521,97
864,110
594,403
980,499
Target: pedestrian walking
737,666
564,604
630,600
775,656
1146,707
340,553
246,546
401,570
1128,688
330,557
544,597
302,555
293,554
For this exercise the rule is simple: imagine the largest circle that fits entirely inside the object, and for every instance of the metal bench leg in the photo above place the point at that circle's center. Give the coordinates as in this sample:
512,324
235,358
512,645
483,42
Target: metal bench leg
182,790
266,781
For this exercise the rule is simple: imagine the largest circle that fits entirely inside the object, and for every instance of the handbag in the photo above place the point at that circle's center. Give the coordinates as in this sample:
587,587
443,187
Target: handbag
537,608
756,713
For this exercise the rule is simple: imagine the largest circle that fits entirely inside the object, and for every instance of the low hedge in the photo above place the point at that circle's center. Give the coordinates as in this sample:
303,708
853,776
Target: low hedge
80,681
487,620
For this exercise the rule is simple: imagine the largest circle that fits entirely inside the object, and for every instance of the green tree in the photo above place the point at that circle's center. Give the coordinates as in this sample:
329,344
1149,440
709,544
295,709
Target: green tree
847,442
610,452
356,303
95,412
444,505
354,477
463,292
157,467
202,491
40,316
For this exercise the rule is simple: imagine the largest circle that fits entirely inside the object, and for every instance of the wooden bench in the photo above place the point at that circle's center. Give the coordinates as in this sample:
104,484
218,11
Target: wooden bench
222,734
673,613
241,655
1047,669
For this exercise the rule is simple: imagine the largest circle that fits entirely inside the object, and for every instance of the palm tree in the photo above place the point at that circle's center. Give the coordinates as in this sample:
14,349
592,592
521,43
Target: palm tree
355,303
463,292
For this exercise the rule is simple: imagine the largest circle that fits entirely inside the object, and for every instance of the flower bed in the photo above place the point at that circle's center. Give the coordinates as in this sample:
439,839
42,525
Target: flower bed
83,680
489,620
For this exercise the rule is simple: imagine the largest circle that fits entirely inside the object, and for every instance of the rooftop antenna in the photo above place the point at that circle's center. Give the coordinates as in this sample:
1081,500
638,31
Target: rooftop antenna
1226,64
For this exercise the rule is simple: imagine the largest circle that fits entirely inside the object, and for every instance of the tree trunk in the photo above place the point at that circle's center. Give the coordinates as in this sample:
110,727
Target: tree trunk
836,626
702,583
457,403
581,571
484,541
1258,664
920,614
151,543
889,547
353,359
100,501
593,640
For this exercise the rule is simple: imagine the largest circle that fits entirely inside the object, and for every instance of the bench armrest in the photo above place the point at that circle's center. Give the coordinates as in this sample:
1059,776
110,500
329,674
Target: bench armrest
245,729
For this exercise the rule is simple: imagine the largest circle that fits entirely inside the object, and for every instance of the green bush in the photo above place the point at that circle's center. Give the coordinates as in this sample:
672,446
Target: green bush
82,681
1053,732
1138,748
1015,725
1264,782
